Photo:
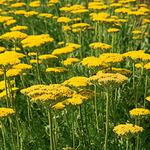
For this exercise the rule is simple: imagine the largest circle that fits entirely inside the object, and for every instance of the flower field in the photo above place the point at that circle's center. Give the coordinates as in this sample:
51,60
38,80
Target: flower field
74,75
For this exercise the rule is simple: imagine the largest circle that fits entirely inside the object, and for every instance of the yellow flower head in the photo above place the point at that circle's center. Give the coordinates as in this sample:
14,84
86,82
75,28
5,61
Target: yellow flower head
13,35
19,28
111,58
47,57
47,93
70,47
46,15
122,71
70,61
93,62
13,72
58,106
10,58
113,30
22,66
56,70
63,20
100,17
2,49
139,112
127,129
36,40
148,98
99,45
5,112
17,5
77,81
35,4
108,79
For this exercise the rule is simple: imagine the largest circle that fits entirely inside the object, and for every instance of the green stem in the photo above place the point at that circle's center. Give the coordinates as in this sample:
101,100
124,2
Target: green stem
95,106
37,66
127,144
145,88
6,88
107,120
11,130
3,135
73,130
50,129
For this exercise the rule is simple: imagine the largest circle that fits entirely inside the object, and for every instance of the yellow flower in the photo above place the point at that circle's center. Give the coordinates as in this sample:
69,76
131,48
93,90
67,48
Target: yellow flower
47,56
10,22
99,16
4,19
146,21
66,28
32,54
2,49
70,47
59,106
80,27
122,10
36,40
127,129
77,81
113,30
139,112
93,62
99,45
139,65
34,61
30,13
47,93
18,28
5,112
108,79
22,66
137,55
70,61
97,6
147,66
35,4
9,58
77,99
56,70
13,72
46,15
148,98
136,32
16,5
111,58
54,1
122,71
13,35
63,19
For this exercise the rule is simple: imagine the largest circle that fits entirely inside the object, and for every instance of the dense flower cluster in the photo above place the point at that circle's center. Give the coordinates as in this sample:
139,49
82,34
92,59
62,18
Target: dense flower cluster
127,129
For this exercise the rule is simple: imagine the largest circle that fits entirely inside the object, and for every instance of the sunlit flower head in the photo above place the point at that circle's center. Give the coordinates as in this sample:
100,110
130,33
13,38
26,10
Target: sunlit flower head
6,112
127,129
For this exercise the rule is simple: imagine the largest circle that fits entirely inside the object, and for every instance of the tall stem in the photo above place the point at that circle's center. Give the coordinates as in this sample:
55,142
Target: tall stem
95,106
127,144
3,135
50,129
6,88
107,120
11,130
37,66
